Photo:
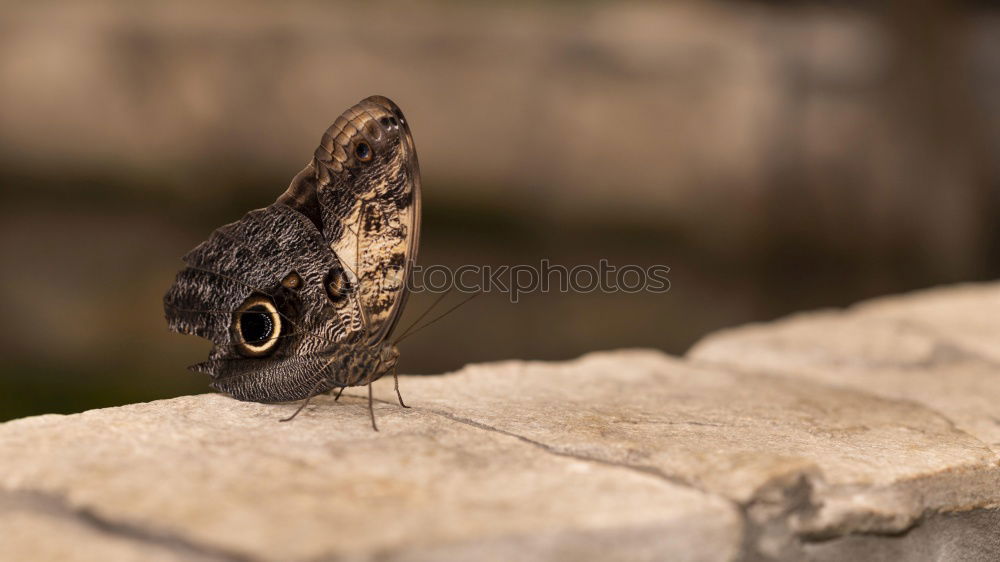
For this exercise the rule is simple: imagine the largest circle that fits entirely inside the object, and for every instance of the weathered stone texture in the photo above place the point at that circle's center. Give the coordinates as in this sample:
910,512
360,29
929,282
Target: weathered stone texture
210,471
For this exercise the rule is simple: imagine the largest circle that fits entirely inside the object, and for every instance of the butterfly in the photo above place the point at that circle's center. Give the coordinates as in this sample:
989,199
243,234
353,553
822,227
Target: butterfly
302,297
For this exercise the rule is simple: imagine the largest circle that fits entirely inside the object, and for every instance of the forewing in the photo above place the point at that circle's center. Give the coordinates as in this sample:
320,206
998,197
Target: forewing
370,207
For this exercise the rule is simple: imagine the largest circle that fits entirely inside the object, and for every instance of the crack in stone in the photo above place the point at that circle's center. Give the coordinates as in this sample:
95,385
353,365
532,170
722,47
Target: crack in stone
645,470
754,543
763,372
746,524
946,350
748,528
57,506
753,530
919,518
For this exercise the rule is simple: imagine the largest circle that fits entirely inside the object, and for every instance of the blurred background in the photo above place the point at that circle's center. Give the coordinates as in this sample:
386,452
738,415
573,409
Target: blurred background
777,156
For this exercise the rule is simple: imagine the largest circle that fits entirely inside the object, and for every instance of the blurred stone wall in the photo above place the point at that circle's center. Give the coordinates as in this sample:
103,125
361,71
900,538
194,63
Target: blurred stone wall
668,111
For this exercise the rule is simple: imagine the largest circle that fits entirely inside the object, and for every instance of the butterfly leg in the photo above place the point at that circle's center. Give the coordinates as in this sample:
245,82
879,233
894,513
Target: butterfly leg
395,381
339,392
371,410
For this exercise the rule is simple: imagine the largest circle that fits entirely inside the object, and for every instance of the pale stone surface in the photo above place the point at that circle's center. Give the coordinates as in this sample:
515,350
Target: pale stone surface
227,476
809,459
940,348
865,434
38,528
964,316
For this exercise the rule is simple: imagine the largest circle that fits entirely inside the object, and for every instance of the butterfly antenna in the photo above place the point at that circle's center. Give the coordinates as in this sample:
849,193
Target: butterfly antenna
433,305
446,313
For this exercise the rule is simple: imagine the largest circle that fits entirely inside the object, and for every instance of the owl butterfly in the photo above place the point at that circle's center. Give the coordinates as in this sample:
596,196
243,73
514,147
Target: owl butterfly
301,297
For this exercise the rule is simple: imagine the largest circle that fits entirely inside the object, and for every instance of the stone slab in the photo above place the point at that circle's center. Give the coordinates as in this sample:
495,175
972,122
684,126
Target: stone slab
227,480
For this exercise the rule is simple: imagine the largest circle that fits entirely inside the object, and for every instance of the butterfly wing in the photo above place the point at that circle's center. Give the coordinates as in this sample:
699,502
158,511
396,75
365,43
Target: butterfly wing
362,188
257,288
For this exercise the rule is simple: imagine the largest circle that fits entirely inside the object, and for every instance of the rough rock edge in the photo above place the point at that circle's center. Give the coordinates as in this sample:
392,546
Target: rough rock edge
798,508
58,507
833,511
799,516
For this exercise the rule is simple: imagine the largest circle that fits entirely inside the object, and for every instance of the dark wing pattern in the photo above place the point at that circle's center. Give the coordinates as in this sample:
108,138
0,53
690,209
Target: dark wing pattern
251,258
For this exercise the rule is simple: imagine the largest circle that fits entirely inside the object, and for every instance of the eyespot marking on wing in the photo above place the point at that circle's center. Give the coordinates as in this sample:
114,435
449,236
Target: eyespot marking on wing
256,327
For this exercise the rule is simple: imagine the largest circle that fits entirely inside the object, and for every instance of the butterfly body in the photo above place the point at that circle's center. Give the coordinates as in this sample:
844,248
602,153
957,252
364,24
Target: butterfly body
362,364
302,296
